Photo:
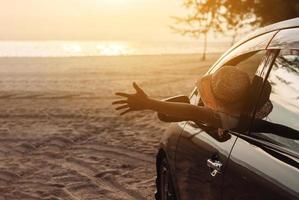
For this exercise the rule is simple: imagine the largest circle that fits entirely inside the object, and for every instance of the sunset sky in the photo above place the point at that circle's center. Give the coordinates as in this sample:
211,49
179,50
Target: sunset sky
141,20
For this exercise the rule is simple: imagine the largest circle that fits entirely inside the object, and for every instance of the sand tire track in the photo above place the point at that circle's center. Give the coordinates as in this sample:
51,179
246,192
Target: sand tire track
85,169
120,153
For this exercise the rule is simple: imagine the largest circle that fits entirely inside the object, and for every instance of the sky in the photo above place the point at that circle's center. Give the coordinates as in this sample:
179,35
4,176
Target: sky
105,20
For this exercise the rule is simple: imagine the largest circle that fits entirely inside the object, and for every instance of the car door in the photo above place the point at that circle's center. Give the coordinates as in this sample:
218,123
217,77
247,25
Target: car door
264,164
199,145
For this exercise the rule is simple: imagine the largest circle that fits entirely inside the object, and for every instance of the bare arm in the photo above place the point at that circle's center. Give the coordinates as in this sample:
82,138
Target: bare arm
184,111
140,101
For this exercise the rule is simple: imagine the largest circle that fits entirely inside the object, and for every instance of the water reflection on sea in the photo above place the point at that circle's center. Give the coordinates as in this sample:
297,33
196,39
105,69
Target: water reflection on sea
103,48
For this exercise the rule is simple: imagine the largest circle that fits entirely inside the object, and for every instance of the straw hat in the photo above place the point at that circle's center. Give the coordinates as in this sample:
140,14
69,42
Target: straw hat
225,90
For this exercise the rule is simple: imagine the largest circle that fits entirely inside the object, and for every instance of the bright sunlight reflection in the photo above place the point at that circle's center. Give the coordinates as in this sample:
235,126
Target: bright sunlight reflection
114,49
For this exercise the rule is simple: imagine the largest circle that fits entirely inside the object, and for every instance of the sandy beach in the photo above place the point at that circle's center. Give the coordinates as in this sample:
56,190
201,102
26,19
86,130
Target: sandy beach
60,137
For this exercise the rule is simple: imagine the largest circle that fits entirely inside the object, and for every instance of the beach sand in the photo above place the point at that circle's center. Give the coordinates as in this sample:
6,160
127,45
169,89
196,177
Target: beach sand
60,137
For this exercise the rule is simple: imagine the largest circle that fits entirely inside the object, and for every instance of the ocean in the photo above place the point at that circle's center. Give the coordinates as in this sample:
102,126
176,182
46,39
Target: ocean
103,48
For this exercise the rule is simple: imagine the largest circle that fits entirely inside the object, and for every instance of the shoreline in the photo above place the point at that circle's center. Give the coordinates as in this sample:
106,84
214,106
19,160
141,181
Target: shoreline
114,56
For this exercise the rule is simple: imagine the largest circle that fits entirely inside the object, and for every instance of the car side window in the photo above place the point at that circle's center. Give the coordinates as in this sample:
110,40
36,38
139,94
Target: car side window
277,114
249,62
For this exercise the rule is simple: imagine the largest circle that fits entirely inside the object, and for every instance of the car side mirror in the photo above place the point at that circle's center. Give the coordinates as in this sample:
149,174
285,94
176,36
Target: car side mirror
179,99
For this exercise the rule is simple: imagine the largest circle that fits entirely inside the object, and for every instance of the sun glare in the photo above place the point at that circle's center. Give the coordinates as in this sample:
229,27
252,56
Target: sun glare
112,1
114,49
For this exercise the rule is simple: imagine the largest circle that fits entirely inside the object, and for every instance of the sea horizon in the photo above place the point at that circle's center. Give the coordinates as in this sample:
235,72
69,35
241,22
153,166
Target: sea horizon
105,48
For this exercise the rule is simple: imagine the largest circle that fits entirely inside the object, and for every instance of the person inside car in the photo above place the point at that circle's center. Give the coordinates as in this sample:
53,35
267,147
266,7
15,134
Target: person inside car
223,94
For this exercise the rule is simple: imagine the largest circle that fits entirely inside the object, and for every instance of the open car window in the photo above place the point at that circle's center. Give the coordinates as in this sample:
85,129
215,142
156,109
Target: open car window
250,63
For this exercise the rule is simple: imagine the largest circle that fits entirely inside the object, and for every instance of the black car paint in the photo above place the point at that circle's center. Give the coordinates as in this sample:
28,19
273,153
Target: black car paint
168,147
195,146
257,170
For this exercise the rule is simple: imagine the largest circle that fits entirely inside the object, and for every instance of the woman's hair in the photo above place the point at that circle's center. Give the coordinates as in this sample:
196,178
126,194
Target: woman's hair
265,95
264,106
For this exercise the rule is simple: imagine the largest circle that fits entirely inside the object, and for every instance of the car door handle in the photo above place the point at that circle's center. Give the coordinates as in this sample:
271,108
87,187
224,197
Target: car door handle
215,166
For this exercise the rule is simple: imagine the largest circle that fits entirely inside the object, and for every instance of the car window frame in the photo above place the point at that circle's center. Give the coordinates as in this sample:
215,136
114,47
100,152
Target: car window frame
260,70
232,54
269,144
280,39
265,74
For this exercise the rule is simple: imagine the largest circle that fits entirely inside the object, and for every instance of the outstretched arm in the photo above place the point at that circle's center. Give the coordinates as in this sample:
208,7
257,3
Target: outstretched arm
141,101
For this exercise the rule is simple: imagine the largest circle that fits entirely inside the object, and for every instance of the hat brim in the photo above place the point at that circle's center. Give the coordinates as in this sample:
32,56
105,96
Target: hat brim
206,94
209,99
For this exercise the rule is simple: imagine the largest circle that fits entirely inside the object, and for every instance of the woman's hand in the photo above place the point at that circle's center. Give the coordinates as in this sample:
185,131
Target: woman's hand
133,102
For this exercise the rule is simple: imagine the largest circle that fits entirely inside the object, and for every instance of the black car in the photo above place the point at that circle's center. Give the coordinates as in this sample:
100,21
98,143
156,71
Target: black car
260,158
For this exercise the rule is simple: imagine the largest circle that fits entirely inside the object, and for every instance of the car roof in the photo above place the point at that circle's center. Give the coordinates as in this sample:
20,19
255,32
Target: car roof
273,27
291,23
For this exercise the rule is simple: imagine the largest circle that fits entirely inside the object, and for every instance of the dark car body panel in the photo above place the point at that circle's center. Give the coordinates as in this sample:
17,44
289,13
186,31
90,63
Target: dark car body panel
168,146
194,148
259,171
